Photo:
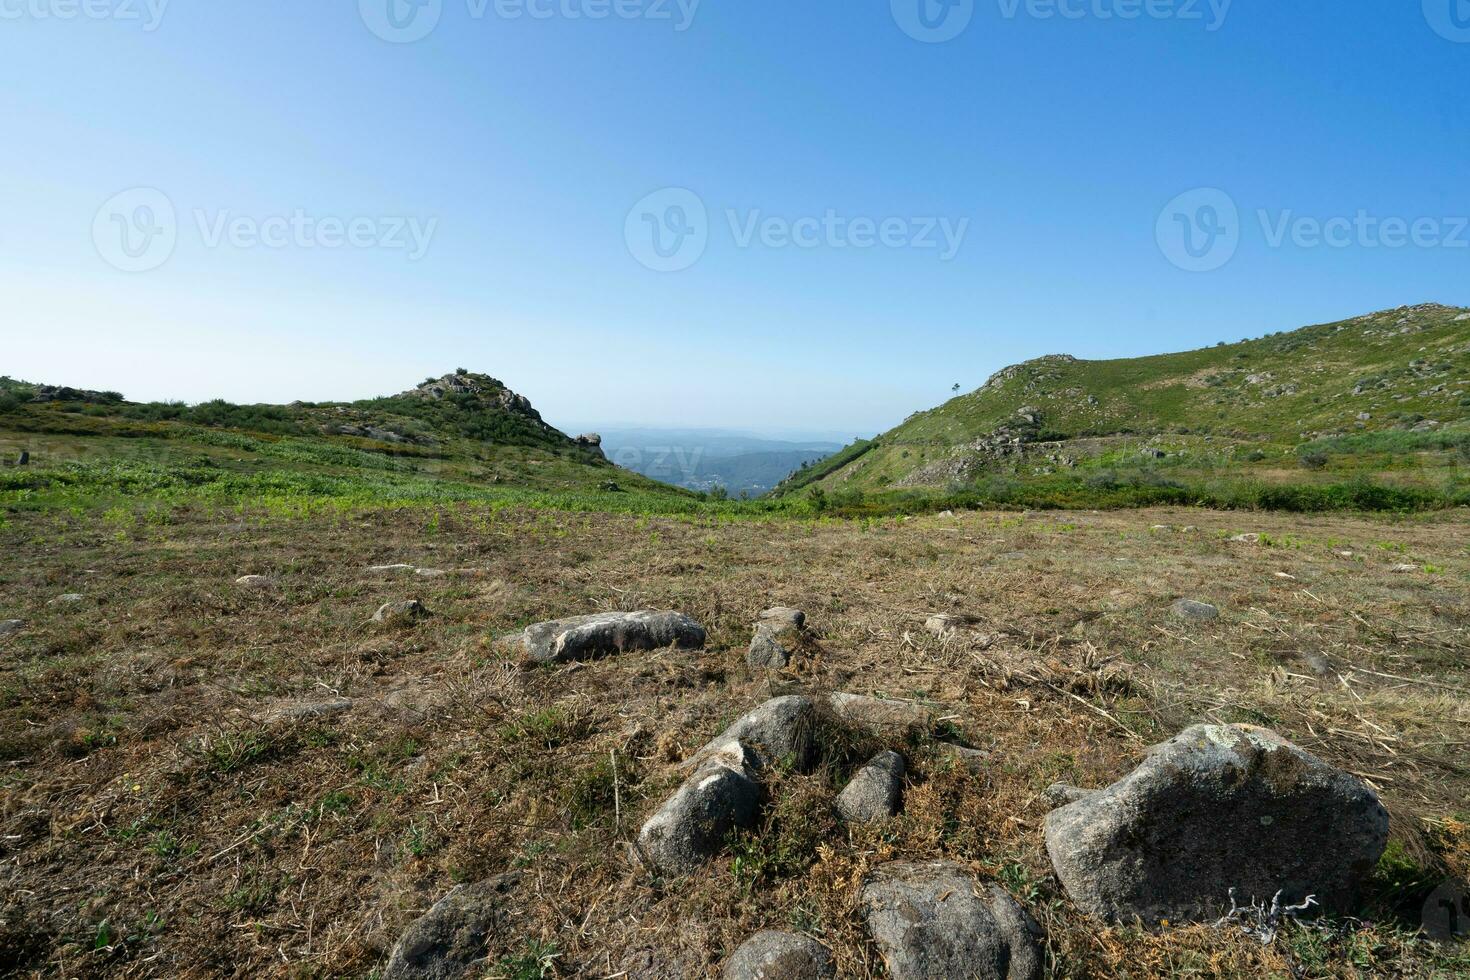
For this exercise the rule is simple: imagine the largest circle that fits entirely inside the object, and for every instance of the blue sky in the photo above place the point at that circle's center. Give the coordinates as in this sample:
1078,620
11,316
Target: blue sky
518,146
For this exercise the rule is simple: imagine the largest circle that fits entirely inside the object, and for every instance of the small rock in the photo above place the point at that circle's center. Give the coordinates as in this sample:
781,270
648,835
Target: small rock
974,760
1215,808
934,920
452,939
584,637
692,825
880,715
945,624
401,613
9,626
875,793
430,572
778,636
305,710
773,955
1403,568
1249,538
254,582
1060,794
782,729
71,598
1192,610
390,569
1286,575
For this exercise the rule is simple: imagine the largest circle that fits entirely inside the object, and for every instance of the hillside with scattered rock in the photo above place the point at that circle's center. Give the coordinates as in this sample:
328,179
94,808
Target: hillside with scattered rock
1384,396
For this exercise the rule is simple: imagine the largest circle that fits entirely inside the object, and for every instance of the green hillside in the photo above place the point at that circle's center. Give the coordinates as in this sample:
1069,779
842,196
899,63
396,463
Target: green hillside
448,437
1384,396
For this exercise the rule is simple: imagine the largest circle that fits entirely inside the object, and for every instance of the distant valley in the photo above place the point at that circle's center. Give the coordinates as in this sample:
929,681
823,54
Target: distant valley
707,459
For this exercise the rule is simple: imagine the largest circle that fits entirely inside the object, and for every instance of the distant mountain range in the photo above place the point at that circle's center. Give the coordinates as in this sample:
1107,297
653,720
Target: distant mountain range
706,459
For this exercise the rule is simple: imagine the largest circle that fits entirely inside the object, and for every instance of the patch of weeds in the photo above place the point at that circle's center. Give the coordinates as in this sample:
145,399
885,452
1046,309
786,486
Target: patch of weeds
1019,881
531,854
231,751
335,802
534,962
418,840
590,796
253,894
165,844
548,727
786,843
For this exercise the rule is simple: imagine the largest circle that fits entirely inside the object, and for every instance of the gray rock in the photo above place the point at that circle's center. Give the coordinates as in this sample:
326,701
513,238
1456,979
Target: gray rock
934,920
401,613
1192,610
880,715
945,624
773,955
1215,808
1060,794
584,637
783,730
11,626
778,637
974,760
452,939
254,582
305,711
875,793
692,825
391,569
69,599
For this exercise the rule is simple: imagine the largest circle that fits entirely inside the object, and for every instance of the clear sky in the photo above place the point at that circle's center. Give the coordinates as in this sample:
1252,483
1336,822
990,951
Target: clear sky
332,209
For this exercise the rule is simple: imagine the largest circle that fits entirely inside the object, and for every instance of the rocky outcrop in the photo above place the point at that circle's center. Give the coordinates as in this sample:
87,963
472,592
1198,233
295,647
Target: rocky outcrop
1214,809
586,637
935,920
783,730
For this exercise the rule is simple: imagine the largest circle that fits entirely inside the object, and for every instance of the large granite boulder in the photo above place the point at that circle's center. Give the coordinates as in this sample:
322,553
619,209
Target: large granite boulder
1215,808
721,796
585,637
451,940
935,920
780,731
772,955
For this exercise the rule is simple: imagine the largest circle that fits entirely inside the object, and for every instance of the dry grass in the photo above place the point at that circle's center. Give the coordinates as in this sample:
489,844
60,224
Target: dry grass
169,811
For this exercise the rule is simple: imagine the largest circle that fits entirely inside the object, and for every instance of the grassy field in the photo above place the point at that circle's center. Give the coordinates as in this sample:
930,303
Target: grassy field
201,779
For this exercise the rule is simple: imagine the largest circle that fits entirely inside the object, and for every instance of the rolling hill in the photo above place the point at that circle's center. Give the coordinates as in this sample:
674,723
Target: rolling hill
1385,395
455,435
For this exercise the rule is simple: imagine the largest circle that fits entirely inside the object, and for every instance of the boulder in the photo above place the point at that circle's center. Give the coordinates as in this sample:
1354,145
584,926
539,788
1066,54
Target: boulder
401,613
1060,794
934,920
781,730
1215,808
778,636
875,793
692,825
1195,611
452,939
9,626
585,637
881,715
771,955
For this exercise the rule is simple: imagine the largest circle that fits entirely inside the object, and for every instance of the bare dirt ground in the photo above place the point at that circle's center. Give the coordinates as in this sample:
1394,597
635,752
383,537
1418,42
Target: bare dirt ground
203,779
